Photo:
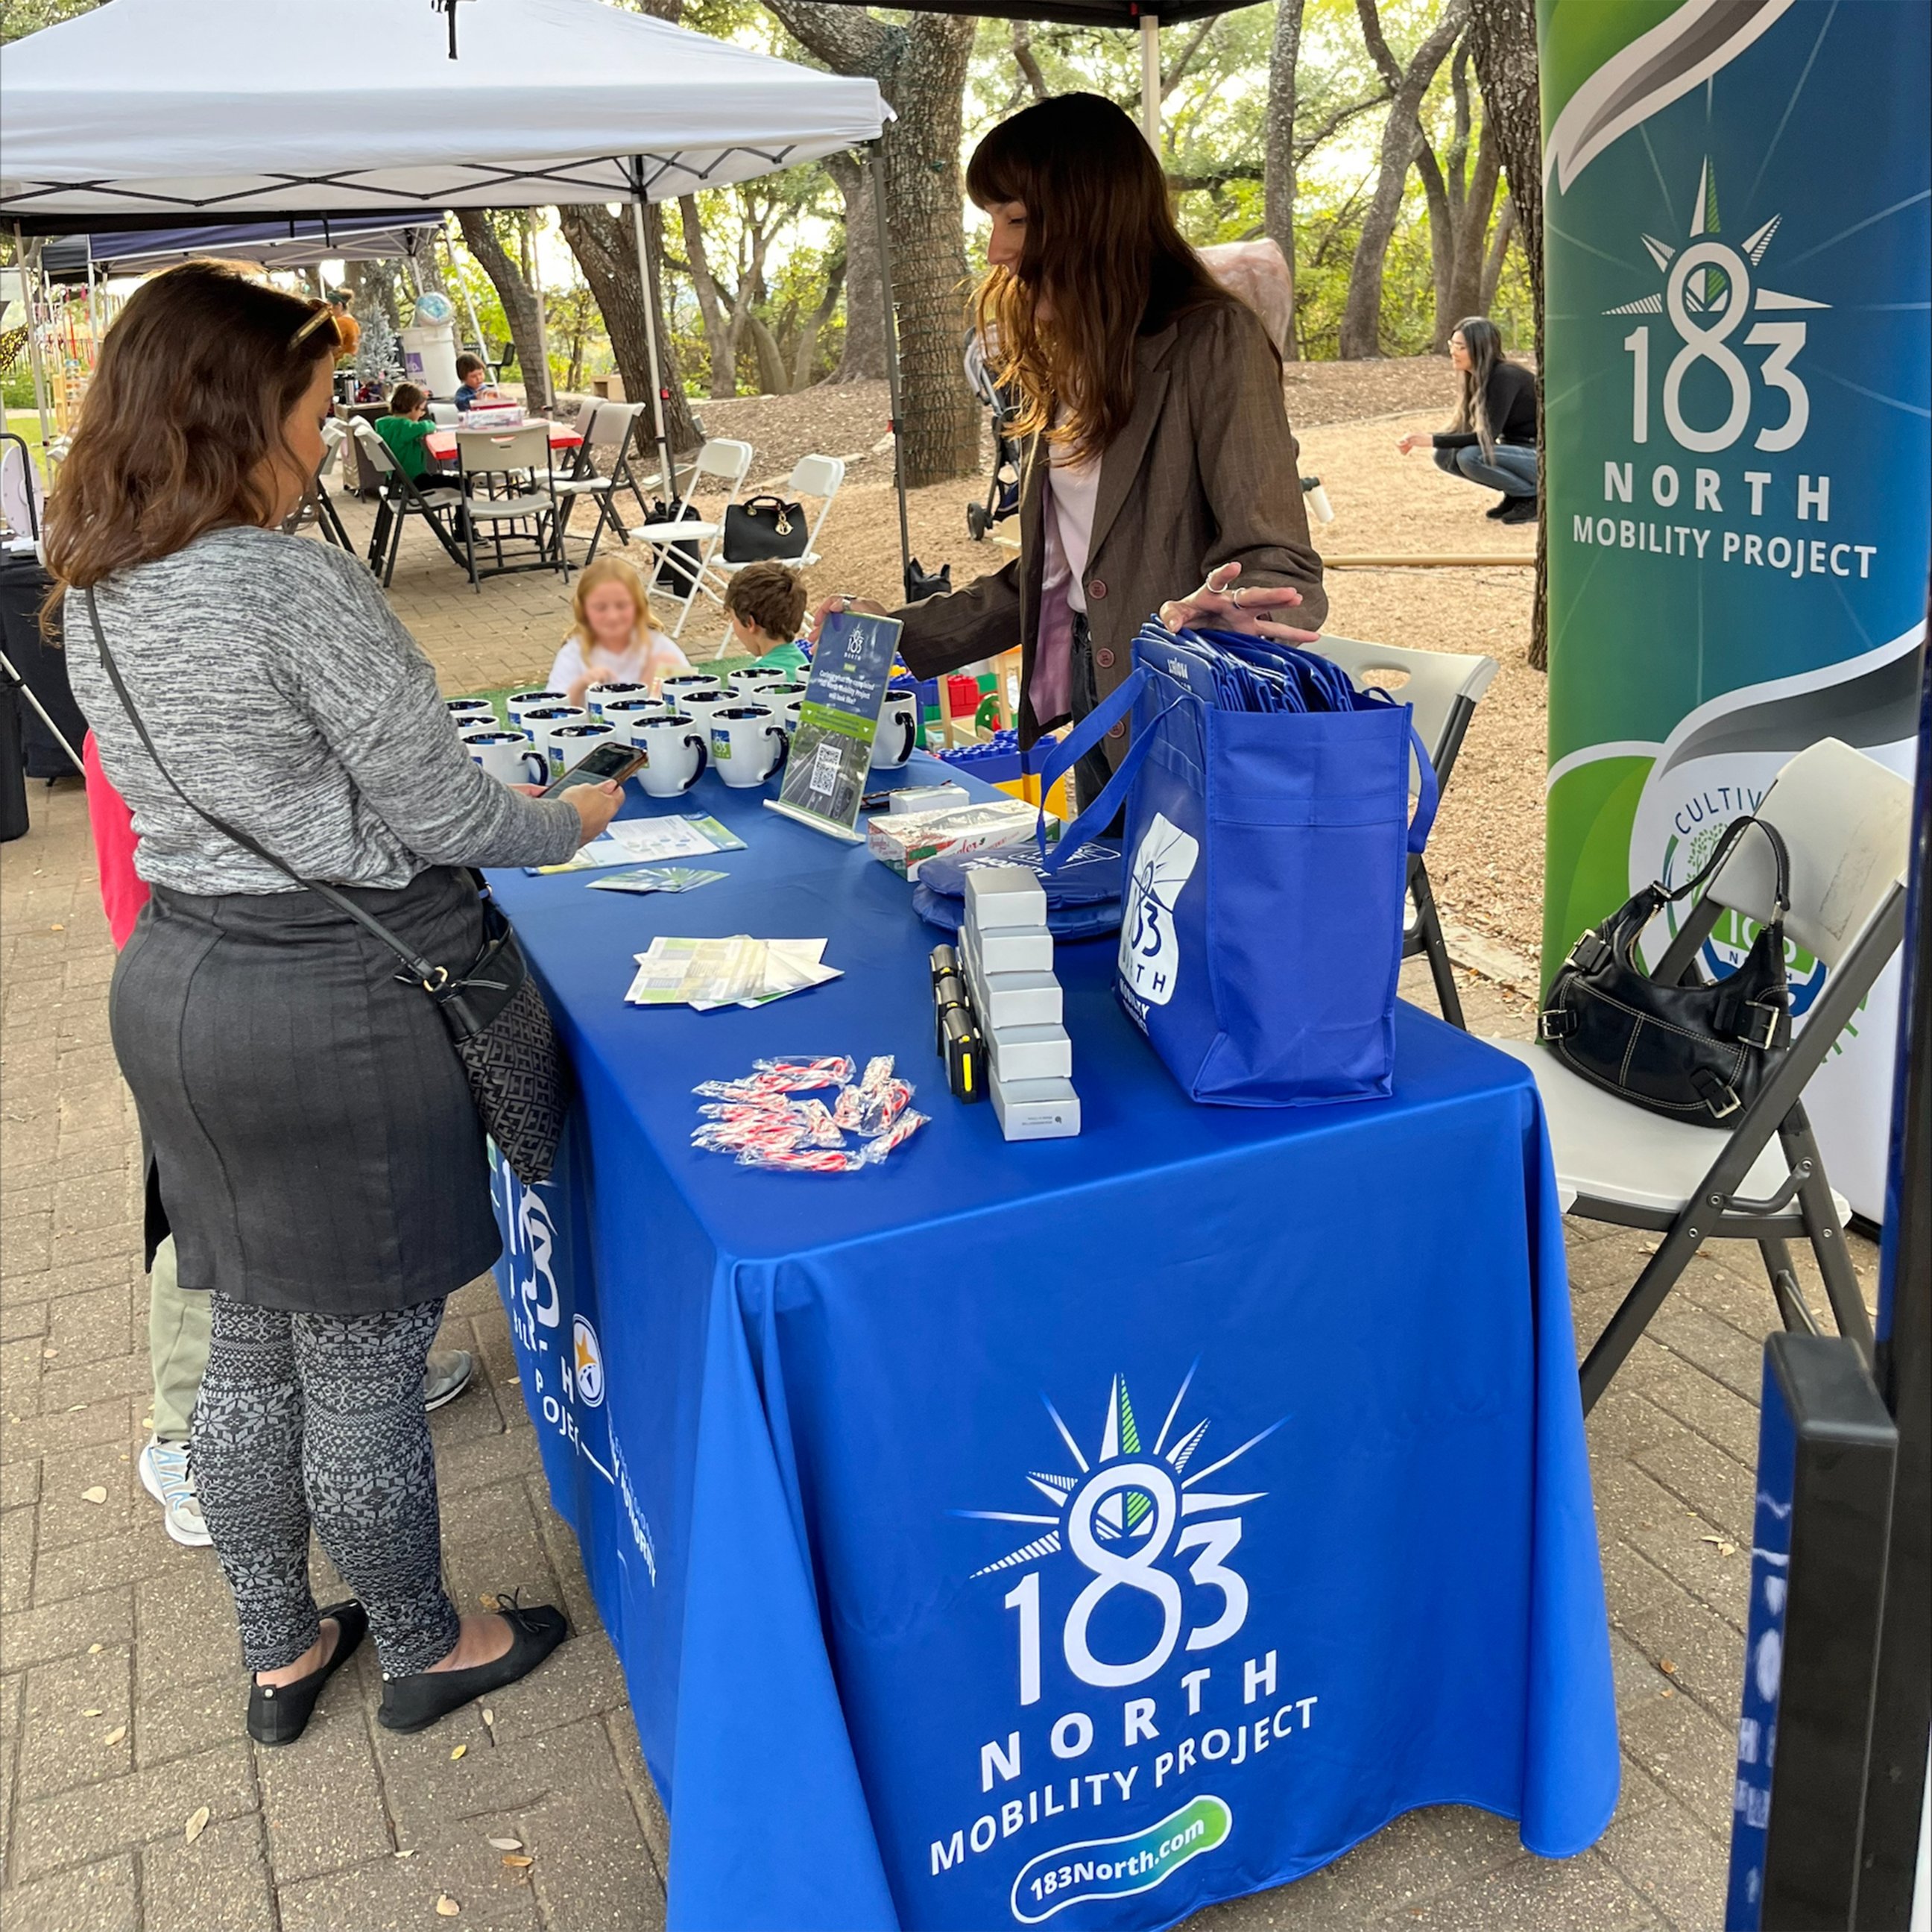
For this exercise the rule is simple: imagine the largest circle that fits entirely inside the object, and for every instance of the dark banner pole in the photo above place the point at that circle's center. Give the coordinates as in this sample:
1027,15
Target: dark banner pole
1902,1709
878,170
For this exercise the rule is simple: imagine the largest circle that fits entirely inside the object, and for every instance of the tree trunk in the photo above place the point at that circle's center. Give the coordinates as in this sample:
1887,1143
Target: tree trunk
519,304
721,340
921,69
1436,192
1278,189
1471,291
774,378
1492,263
813,325
1502,41
1361,313
863,359
606,249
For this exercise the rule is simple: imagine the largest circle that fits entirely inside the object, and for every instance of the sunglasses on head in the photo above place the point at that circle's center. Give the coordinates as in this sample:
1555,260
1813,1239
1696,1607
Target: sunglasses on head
323,314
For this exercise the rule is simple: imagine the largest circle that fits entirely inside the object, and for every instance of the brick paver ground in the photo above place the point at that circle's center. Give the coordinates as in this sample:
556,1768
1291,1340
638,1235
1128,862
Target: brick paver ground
121,1691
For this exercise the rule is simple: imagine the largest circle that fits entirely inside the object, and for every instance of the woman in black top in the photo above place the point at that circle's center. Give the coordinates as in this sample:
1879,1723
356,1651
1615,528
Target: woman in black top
1493,441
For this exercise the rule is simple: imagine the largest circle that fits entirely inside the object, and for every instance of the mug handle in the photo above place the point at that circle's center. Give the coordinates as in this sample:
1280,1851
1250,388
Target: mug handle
912,735
542,773
778,731
703,759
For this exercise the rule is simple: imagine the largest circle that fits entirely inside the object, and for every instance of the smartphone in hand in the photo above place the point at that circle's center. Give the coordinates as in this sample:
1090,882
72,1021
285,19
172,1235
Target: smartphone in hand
606,761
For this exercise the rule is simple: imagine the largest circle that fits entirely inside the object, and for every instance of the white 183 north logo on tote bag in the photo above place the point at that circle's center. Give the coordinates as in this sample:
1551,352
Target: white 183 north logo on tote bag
1150,956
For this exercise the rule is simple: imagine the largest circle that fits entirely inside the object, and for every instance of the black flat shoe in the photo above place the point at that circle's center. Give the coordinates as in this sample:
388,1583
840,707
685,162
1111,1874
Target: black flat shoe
1499,508
278,1713
1521,510
415,1703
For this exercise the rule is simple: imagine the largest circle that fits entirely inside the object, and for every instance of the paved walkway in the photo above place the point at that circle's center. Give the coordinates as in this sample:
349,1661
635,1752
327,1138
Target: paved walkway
120,1692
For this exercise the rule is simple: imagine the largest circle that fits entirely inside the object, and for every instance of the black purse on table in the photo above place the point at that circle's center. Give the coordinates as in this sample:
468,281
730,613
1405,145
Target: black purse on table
497,1021
765,526
1695,1053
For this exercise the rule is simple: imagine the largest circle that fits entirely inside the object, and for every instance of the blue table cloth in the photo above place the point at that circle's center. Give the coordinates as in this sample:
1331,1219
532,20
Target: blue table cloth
1097,1528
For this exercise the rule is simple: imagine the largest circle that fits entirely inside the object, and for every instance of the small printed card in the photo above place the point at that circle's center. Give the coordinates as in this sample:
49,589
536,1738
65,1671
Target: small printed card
657,879
832,749
630,842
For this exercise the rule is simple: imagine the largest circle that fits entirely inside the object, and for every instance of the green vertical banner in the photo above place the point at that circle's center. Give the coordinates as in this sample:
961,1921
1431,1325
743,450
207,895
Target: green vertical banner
1738,210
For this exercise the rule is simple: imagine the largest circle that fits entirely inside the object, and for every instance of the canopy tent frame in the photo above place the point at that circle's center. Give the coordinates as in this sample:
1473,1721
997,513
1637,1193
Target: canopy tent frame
94,128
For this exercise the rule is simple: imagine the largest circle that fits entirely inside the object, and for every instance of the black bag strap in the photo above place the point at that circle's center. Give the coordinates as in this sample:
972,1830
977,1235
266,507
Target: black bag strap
1733,832
433,979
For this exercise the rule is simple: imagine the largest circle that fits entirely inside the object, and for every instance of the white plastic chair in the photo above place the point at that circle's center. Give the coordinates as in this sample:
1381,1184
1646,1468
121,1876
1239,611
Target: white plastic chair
603,467
1444,688
1845,820
818,476
520,458
724,464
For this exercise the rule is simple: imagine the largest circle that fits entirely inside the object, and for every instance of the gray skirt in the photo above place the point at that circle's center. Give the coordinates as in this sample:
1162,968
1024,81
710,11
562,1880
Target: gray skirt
315,1141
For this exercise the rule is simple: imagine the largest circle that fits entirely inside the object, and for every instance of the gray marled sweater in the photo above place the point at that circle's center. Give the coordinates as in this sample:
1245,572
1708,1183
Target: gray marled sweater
284,697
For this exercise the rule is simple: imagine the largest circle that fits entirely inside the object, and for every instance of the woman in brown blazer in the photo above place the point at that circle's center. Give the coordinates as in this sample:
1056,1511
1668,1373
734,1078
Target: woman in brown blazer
1159,453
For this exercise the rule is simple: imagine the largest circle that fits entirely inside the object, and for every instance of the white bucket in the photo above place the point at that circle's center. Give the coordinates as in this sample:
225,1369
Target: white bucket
429,358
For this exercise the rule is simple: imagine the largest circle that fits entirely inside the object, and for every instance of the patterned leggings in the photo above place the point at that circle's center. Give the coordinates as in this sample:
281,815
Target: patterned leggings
309,1418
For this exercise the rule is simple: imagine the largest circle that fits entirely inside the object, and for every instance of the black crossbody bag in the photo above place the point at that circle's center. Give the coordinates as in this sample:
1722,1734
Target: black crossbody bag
1696,1053
497,1021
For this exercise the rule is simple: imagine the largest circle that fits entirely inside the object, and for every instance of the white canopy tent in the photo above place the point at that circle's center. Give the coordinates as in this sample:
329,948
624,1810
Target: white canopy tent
223,110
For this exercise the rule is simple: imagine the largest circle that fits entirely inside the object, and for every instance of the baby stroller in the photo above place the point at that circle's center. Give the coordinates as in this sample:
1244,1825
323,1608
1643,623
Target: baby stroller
1003,492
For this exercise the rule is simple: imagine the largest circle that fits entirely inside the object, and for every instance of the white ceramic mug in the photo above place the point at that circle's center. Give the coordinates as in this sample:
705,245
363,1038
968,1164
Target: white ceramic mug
628,713
899,730
674,746
613,692
469,711
542,719
748,743
785,700
675,688
704,701
568,744
518,702
507,755
749,681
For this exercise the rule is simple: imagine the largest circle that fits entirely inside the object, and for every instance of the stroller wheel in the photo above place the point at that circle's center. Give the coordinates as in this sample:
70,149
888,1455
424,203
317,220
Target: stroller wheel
978,521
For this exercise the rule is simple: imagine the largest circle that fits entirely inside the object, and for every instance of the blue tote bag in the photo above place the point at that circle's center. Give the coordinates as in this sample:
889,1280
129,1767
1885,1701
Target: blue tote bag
1267,866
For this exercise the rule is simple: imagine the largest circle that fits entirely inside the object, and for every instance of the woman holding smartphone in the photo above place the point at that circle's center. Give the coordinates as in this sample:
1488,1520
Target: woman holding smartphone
1160,453
321,1162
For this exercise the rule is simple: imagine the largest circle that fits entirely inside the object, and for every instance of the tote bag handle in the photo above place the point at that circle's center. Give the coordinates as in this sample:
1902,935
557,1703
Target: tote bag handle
1068,753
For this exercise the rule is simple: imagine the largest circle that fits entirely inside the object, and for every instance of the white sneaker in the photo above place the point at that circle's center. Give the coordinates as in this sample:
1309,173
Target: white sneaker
164,1475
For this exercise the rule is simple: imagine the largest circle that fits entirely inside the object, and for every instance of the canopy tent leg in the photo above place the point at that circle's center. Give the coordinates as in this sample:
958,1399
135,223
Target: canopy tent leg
468,302
892,359
647,280
32,308
1150,79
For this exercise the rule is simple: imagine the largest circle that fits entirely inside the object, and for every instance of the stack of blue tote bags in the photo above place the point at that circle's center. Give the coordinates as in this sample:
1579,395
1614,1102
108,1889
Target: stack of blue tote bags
1267,836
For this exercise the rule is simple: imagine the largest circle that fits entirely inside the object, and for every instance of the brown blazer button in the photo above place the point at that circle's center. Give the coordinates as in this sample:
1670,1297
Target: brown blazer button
1119,731
1104,658
1096,588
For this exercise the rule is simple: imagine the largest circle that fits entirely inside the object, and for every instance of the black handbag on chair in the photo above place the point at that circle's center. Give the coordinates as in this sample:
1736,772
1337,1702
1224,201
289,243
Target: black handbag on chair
497,1021
765,526
1695,1053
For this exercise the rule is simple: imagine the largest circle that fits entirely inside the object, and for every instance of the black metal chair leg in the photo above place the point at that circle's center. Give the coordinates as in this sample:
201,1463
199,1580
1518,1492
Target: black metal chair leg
1611,1349
1827,1237
1792,1308
1429,925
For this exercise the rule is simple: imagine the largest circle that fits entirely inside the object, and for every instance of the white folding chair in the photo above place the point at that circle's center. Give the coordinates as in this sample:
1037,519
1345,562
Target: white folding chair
725,465
519,461
603,467
1845,820
818,476
1445,688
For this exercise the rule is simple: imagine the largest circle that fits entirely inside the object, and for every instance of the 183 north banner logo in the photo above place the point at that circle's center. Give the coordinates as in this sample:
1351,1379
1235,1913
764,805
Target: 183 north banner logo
1130,1581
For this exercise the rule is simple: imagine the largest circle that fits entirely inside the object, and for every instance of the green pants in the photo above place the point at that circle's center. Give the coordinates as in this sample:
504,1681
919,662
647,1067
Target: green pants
177,1346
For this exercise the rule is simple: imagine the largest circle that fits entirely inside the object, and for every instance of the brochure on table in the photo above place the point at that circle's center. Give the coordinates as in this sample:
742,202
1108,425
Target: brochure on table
832,749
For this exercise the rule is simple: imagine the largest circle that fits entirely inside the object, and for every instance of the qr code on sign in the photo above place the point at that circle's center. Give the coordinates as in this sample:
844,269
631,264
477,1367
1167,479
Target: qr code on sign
824,768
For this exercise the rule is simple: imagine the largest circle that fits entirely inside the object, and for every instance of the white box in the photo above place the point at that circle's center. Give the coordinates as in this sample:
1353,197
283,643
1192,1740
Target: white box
1014,952
1001,898
1036,1110
1006,1000
1031,1053
904,841
929,798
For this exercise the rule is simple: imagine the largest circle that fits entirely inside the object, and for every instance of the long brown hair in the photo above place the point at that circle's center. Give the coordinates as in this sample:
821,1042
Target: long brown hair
185,413
1484,342
1102,253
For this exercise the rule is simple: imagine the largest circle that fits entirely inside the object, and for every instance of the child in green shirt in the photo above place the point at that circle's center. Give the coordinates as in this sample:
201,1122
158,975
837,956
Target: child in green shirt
764,604
406,429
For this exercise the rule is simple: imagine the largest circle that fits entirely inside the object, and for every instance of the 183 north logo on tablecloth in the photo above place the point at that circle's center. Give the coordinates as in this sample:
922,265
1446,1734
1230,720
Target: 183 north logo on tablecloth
1130,1577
